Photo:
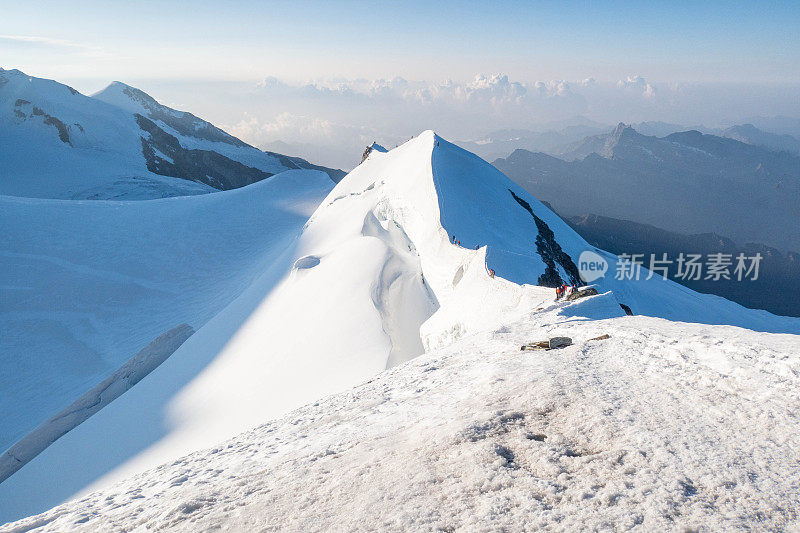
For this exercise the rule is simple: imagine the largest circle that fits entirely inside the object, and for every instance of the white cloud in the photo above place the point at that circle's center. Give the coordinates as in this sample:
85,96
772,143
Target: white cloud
344,115
291,127
491,89
634,82
53,43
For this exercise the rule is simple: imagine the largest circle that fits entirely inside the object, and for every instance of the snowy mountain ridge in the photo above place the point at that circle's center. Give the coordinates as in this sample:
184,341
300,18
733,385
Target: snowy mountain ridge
397,261
118,144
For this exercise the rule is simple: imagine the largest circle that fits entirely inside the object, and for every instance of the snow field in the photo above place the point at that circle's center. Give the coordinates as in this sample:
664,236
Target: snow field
371,281
662,426
88,284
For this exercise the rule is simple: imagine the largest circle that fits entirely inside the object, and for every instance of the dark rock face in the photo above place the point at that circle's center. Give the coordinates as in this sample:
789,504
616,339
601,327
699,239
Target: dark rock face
366,153
574,295
182,122
61,128
550,252
201,166
63,132
190,125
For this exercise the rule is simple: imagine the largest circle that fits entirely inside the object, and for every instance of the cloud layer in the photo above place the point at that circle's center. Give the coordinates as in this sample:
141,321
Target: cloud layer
348,113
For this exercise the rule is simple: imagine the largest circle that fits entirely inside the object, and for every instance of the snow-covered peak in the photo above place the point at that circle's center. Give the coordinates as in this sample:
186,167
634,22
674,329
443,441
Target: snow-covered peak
120,143
457,195
372,148
418,249
15,85
181,122
124,96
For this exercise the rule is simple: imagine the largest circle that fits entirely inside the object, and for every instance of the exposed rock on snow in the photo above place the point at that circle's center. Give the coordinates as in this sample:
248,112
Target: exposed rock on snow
374,146
119,144
582,293
165,156
551,253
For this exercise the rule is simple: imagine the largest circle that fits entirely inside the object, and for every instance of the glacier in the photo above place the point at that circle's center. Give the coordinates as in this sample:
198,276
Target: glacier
681,418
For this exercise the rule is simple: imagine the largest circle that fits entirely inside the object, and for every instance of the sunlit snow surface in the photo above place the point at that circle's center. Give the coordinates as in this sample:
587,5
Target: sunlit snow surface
665,424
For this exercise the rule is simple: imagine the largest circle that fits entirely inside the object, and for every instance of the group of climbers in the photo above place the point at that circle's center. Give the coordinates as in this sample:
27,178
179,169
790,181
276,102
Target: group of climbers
457,242
563,290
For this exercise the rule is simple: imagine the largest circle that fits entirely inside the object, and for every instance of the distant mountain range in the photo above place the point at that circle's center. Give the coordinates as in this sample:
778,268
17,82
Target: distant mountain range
548,139
560,139
119,143
779,273
686,182
747,133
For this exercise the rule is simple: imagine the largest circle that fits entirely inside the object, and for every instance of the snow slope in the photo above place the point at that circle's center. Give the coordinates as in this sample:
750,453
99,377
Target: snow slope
99,154
118,144
192,132
664,426
87,284
372,281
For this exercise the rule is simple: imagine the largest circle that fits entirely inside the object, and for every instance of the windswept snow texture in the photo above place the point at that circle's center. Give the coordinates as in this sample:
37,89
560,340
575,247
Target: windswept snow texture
86,285
372,281
128,375
663,427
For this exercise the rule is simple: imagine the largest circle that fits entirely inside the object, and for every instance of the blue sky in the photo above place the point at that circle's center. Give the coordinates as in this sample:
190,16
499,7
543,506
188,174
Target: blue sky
343,73
432,40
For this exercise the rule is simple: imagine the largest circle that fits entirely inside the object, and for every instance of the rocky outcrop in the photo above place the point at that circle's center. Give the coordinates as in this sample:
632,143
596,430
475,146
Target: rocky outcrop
183,122
372,147
366,153
576,294
550,252
164,155
20,107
